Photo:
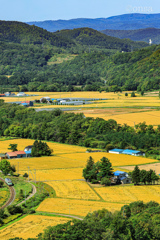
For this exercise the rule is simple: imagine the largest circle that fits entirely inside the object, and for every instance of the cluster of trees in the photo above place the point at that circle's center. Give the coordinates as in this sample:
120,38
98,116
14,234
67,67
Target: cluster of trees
40,149
6,167
71,128
99,172
133,222
142,176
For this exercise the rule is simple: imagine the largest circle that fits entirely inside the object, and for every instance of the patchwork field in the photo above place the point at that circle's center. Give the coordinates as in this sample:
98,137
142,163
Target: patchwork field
74,196
75,207
30,226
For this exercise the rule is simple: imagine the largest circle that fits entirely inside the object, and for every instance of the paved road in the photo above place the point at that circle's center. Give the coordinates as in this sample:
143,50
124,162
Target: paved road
12,195
64,215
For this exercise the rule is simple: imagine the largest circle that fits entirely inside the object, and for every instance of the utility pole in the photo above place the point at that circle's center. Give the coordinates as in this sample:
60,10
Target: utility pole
35,174
18,168
28,174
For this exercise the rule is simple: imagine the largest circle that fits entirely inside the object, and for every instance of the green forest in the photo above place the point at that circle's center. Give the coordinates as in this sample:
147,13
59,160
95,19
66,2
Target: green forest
133,222
17,121
93,62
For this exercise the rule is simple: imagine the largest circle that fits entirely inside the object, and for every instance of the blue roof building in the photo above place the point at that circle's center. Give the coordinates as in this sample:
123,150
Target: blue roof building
28,153
118,173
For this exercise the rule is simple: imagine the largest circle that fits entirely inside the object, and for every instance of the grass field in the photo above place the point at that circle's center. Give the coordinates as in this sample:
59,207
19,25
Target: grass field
30,226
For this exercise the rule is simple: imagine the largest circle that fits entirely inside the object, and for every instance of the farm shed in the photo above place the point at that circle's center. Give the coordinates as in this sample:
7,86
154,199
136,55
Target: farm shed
21,94
133,152
116,151
16,154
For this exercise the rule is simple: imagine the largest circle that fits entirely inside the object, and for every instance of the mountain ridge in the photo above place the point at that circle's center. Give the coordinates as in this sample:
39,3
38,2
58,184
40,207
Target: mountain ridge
134,21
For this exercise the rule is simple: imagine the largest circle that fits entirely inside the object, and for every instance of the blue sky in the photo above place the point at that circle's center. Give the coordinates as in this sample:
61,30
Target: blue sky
40,10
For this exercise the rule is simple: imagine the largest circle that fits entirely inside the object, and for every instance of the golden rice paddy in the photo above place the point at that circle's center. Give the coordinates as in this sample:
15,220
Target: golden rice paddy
116,159
30,226
73,189
127,194
55,174
75,207
4,195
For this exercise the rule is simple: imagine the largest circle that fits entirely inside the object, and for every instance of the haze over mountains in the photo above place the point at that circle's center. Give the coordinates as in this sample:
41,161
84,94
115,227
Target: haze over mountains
122,22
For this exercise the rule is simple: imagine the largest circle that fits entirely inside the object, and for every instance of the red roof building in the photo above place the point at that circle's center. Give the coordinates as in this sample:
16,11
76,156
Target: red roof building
16,154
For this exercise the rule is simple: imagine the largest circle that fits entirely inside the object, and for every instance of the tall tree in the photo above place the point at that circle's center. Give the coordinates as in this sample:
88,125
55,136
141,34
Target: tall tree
13,147
136,175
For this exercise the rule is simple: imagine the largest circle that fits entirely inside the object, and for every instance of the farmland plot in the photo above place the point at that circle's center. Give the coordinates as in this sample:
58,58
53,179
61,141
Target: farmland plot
73,189
75,207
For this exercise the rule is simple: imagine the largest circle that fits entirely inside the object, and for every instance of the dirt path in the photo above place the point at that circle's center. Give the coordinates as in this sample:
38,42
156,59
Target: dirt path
63,215
34,190
12,195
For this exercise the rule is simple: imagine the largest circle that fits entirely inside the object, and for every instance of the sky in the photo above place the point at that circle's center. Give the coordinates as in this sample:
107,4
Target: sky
41,10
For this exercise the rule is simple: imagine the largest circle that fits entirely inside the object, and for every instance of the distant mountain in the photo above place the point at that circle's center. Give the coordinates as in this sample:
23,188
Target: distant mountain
88,36
18,32
136,35
121,22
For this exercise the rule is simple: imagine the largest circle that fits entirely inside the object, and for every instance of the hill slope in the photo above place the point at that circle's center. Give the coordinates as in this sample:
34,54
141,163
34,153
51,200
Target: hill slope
121,22
18,32
88,36
136,35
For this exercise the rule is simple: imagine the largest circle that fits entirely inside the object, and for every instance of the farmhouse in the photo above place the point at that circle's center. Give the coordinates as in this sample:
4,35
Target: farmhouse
16,154
122,177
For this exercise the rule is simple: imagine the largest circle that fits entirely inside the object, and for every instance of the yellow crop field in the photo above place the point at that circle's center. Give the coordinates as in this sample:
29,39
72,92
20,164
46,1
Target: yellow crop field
75,207
116,159
30,226
44,163
128,194
57,147
73,189
152,118
56,174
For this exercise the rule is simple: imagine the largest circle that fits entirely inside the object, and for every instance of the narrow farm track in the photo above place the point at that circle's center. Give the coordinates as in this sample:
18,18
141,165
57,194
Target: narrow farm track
34,190
12,195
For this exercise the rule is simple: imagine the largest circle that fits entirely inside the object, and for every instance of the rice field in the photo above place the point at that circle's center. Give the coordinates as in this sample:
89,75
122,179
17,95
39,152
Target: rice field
73,189
127,194
30,226
57,147
116,159
55,174
75,207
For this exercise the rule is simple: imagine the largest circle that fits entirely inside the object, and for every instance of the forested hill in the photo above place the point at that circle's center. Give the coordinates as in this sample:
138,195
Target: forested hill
136,35
88,36
121,22
18,32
